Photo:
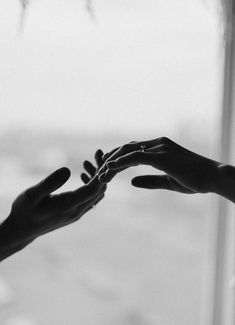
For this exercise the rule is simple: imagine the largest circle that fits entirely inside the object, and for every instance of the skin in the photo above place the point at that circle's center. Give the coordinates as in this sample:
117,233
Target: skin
37,211
184,171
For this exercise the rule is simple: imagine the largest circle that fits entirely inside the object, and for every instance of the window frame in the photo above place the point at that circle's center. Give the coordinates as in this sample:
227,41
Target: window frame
221,298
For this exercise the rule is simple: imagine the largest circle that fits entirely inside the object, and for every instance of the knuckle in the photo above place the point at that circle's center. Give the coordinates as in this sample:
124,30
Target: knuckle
165,140
125,147
129,146
29,195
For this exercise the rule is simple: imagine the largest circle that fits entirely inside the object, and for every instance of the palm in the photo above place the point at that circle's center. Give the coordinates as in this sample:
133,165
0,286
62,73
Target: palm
36,211
175,185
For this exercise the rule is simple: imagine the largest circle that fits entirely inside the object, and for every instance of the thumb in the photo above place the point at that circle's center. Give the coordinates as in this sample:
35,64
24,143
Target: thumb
151,182
50,184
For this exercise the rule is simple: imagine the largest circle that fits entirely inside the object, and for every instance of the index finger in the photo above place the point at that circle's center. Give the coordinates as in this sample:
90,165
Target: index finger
139,158
133,159
137,145
110,153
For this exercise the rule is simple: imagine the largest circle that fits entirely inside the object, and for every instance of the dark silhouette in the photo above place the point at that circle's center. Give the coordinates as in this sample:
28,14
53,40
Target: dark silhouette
36,211
185,171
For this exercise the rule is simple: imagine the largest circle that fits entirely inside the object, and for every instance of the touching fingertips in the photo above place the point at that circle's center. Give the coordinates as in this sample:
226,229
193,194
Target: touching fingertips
101,176
101,171
111,164
105,156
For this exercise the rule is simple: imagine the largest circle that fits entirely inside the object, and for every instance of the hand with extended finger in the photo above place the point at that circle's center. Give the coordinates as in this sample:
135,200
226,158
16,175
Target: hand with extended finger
37,211
185,171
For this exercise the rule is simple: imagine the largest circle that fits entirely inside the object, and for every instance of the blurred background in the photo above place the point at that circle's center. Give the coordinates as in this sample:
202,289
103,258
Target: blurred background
81,75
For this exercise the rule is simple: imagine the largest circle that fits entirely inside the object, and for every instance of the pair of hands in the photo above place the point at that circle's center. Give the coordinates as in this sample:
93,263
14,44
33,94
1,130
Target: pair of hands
36,211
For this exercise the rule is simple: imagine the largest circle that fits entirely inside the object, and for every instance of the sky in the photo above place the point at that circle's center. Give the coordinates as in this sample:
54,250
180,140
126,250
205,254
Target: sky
133,66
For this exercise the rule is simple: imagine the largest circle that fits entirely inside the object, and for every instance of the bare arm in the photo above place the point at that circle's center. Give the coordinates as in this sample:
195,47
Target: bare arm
225,186
10,242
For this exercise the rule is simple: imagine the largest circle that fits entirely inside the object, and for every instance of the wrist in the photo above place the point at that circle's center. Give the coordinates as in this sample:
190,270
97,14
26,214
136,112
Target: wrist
224,184
11,240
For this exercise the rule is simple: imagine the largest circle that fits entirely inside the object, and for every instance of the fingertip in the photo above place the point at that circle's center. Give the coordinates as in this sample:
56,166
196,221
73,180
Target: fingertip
99,152
85,178
110,164
101,178
98,157
85,163
104,156
93,182
52,182
64,172
136,182
101,182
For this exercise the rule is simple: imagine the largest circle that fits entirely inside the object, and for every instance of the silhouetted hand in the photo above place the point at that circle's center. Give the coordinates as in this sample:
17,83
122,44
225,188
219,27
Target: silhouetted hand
37,211
185,171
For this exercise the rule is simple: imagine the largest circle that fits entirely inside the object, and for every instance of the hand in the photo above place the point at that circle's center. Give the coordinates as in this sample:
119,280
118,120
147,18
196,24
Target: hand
185,171
36,211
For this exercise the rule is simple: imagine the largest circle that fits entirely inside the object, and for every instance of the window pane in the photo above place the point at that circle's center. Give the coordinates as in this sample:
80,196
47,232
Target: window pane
74,80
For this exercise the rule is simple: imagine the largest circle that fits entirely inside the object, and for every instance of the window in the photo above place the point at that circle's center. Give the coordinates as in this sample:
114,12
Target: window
223,285
72,81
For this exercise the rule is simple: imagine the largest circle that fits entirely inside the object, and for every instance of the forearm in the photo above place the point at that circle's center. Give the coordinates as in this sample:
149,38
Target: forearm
225,182
10,242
